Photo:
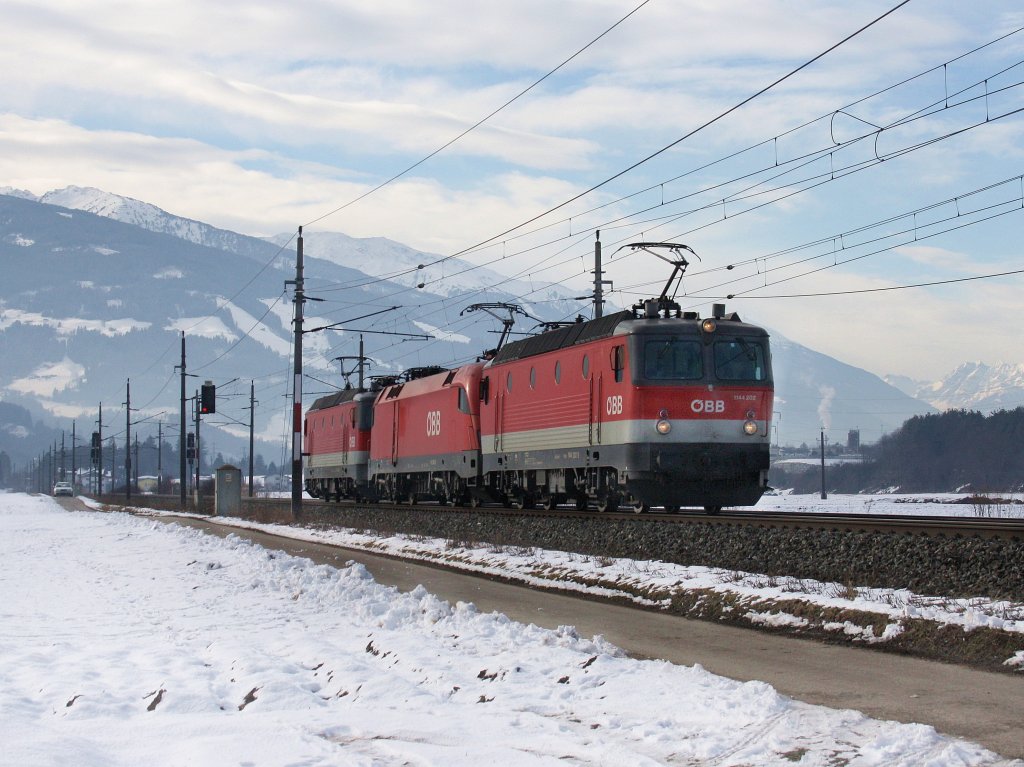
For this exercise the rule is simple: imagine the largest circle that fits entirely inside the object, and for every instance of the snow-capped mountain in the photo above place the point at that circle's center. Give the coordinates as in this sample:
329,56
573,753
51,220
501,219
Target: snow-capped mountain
123,282
971,386
375,256
142,214
116,297
813,390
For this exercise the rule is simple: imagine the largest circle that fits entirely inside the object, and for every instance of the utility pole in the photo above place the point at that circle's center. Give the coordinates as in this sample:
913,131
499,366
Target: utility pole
159,457
113,465
136,459
99,455
599,281
297,387
199,454
252,414
181,437
63,474
362,361
74,463
128,441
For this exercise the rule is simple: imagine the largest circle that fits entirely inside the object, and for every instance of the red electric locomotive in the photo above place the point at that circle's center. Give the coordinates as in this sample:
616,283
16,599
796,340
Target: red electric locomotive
425,440
647,408
337,444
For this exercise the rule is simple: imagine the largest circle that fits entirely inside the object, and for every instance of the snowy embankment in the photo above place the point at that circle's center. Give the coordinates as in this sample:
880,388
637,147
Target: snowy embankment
127,642
861,614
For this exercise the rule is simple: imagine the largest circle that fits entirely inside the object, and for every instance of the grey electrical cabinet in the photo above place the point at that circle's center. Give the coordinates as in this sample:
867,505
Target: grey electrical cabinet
228,492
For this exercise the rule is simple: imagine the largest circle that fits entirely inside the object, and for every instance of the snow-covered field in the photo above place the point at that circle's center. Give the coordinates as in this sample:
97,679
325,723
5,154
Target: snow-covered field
896,504
130,642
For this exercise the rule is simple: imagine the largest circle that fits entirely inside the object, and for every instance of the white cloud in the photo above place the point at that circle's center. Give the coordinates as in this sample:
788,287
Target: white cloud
171,273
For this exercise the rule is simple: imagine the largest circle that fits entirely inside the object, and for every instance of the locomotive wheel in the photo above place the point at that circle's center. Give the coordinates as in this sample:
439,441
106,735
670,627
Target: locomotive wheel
522,501
473,502
548,502
639,507
581,503
712,510
671,508
410,499
608,503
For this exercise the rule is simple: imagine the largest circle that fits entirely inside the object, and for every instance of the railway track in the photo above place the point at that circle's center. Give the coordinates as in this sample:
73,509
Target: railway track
960,556
896,524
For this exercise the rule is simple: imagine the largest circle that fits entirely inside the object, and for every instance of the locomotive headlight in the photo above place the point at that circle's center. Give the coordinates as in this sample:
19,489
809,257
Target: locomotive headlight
750,428
708,325
663,426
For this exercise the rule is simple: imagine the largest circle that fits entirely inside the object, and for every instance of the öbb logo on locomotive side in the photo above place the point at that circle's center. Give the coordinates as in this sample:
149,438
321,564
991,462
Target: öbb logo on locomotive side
708,406
433,423
613,405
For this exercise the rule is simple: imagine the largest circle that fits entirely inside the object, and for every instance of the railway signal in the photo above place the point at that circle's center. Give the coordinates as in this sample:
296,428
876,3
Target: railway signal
208,399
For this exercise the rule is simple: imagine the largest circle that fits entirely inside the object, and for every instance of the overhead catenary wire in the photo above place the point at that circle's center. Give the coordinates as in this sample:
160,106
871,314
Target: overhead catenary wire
676,142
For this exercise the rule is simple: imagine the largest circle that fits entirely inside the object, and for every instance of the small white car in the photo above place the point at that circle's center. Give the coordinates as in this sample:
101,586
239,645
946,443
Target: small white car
64,488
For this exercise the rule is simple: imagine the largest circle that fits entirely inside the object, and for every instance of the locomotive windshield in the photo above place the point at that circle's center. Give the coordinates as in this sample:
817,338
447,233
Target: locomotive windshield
739,359
673,359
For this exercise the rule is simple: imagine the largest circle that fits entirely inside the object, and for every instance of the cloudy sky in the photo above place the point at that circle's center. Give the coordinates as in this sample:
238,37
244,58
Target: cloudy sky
858,173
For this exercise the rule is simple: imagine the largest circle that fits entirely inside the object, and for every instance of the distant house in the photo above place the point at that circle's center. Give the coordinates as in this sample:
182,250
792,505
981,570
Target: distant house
149,484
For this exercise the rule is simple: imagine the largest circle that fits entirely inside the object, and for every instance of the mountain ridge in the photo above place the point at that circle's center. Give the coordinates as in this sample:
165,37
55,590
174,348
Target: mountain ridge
123,289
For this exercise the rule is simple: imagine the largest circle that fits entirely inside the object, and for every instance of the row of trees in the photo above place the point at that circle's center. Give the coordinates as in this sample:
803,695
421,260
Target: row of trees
958,450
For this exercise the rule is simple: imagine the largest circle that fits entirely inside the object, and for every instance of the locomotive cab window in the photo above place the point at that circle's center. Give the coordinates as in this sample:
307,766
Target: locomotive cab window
673,359
463,401
740,359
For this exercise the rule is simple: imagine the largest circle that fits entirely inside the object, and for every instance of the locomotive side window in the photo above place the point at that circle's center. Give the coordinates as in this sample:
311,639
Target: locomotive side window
463,401
740,360
586,367
558,372
618,362
508,383
533,378
673,359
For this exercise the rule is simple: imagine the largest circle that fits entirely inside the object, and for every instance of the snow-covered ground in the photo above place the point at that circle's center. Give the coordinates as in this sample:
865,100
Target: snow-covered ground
126,641
923,504
653,583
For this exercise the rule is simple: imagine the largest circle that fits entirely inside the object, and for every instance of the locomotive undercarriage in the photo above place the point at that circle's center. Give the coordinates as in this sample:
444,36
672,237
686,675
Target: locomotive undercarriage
335,488
445,487
639,477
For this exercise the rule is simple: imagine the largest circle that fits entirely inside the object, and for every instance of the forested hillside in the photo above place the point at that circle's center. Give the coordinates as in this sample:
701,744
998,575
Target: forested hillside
945,452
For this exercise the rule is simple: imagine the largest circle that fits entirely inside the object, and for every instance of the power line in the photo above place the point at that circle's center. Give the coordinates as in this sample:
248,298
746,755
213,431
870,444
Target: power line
896,287
635,165
678,141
